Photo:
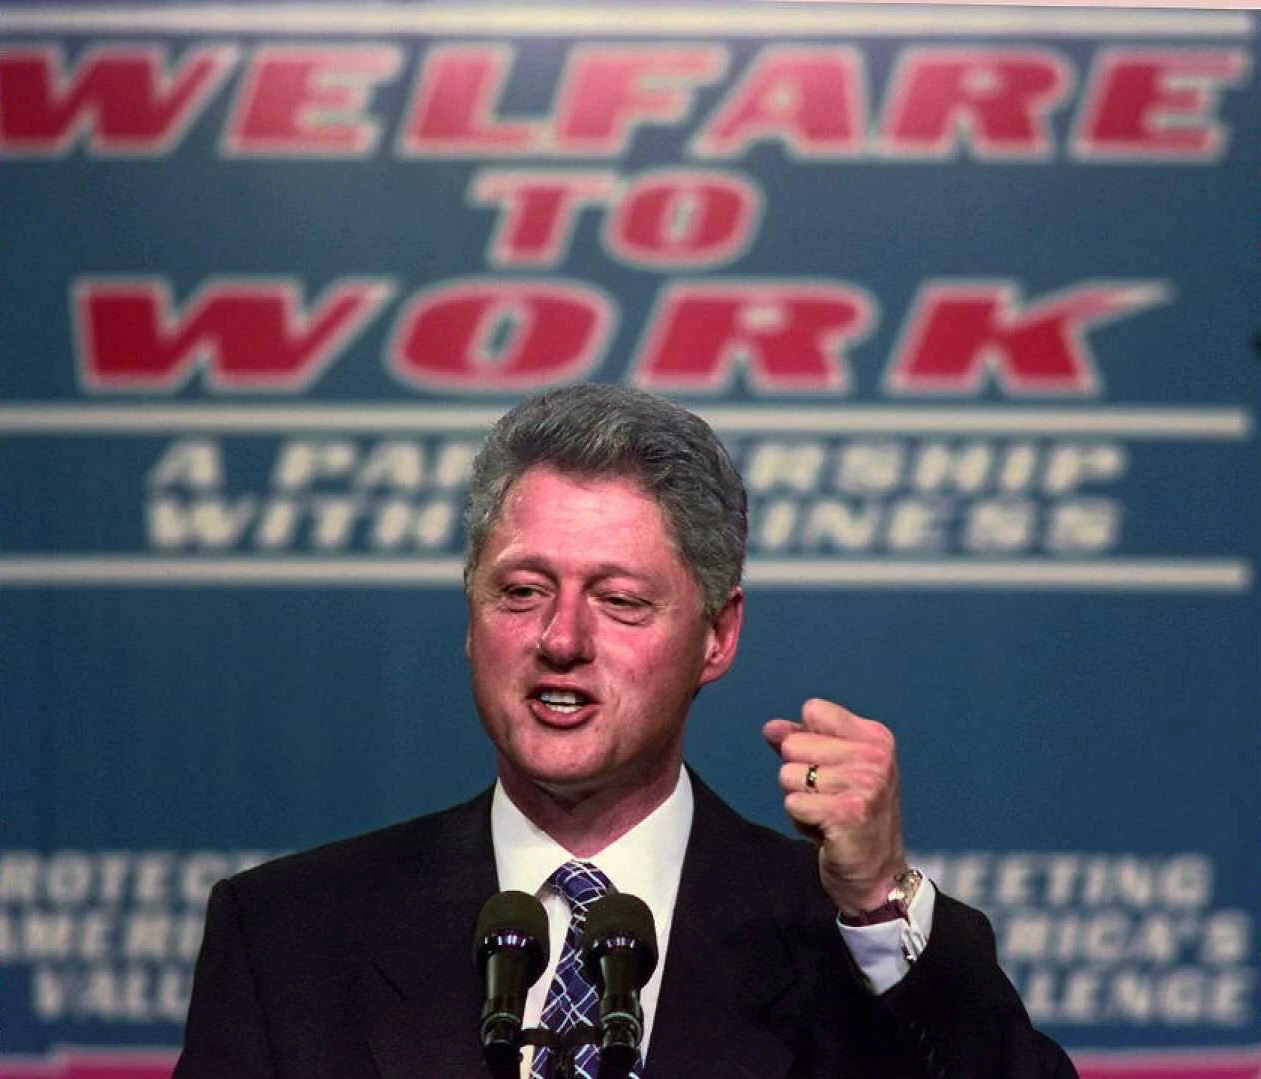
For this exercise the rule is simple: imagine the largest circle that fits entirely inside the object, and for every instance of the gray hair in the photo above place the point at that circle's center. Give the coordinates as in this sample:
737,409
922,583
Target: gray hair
596,430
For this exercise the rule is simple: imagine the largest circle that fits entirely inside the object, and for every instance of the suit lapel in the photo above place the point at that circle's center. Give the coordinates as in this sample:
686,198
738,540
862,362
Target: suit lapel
719,977
727,967
423,996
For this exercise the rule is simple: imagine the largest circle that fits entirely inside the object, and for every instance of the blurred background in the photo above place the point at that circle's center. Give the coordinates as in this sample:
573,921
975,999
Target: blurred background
970,292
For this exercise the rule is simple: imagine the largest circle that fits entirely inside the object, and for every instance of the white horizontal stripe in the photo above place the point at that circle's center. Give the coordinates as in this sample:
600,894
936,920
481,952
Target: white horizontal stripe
239,419
605,21
1183,575
1159,423
263,570
1147,423
1231,575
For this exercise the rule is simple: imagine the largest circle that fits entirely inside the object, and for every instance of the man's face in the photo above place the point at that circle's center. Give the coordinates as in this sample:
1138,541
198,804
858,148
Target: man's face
586,636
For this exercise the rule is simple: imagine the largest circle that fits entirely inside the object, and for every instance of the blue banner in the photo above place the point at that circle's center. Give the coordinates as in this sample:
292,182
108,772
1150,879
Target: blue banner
971,294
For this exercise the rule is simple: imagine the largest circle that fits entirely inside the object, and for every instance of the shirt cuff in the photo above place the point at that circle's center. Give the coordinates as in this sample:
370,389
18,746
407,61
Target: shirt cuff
881,950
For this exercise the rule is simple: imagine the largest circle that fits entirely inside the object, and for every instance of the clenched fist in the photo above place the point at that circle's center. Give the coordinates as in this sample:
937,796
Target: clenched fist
852,811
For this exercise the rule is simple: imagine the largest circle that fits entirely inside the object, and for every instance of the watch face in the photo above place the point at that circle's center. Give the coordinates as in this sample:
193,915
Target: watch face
896,906
905,886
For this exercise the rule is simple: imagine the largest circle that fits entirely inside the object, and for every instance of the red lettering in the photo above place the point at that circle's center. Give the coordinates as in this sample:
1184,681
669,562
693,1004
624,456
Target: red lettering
810,98
998,101
1157,104
959,335
789,335
537,211
678,218
123,97
453,111
310,101
496,335
1169,1064
249,334
91,1064
608,92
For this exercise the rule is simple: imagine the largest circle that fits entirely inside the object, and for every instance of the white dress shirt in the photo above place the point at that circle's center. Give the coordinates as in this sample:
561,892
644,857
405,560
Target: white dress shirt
647,862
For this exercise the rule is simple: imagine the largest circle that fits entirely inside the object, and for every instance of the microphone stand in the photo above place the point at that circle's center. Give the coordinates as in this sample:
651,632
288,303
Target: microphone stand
564,1047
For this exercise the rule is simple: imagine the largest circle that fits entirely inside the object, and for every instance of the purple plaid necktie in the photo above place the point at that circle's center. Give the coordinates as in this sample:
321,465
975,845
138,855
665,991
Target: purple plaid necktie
571,999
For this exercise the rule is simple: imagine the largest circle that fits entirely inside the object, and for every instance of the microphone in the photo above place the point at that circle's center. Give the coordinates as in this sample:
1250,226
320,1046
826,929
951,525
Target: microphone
619,954
510,951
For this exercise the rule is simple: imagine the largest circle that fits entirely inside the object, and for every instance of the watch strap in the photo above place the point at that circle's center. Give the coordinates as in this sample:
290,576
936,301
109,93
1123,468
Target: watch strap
896,905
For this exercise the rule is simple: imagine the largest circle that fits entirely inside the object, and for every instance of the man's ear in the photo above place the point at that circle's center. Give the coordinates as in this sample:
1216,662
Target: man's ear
723,638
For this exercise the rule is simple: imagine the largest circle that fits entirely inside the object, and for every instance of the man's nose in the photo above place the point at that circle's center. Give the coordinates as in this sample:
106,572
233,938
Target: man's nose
566,635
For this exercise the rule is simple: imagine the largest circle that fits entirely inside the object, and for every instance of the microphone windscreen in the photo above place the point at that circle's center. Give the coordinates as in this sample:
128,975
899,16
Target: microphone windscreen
509,915
617,916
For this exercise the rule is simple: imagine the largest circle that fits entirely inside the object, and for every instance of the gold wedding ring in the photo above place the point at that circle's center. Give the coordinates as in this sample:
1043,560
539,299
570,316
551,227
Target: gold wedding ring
812,777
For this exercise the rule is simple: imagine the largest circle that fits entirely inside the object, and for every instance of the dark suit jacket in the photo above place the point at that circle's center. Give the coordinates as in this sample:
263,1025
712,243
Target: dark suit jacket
354,961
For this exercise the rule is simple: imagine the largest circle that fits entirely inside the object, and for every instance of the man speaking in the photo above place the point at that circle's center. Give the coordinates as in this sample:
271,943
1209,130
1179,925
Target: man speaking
606,535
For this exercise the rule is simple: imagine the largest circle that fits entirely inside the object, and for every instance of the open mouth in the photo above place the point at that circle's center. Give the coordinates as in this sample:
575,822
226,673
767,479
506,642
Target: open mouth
565,702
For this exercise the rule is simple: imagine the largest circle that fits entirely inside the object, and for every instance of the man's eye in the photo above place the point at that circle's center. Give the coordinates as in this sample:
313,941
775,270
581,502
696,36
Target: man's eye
626,608
520,591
